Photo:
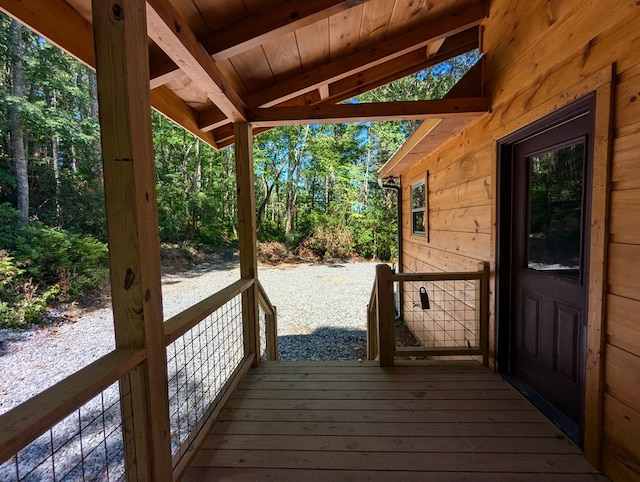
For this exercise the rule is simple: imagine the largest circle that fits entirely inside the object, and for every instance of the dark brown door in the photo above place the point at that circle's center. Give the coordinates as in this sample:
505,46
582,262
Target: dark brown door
550,199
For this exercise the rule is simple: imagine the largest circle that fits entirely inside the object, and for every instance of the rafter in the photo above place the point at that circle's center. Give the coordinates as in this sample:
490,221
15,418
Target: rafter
171,33
362,82
404,110
398,68
434,47
65,28
168,104
283,17
418,38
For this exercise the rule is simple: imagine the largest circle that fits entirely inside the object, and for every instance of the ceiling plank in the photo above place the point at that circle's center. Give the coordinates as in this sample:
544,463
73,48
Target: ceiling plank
282,18
56,21
370,79
172,34
401,67
72,33
382,111
352,64
211,119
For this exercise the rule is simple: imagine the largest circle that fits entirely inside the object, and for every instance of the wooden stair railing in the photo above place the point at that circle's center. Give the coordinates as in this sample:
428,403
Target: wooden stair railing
381,323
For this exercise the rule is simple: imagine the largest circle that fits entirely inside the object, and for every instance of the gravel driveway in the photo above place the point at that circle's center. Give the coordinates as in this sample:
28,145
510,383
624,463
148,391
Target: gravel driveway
321,316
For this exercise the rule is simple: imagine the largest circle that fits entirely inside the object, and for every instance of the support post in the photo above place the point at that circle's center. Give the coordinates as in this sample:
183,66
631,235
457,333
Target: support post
247,236
122,66
386,315
483,311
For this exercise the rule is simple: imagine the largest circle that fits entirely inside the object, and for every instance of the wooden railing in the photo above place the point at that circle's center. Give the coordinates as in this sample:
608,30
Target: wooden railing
268,316
466,308
24,426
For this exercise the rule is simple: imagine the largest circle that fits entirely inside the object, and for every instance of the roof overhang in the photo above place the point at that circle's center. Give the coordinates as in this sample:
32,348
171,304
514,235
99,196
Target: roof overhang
271,62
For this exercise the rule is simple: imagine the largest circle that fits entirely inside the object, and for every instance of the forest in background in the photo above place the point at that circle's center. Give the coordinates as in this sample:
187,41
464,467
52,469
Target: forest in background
316,186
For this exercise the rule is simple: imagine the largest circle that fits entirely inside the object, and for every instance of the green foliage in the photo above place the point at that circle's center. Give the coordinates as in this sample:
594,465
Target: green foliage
39,264
315,185
20,303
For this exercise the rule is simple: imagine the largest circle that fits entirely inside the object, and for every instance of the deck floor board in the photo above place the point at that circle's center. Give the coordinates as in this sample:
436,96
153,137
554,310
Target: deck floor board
356,421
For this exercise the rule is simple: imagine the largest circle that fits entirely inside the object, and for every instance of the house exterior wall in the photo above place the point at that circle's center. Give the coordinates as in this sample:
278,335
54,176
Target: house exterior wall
539,56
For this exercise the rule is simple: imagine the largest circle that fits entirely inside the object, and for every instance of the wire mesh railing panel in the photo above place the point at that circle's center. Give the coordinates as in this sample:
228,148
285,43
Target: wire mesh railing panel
200,363
441,314
86,445
263,333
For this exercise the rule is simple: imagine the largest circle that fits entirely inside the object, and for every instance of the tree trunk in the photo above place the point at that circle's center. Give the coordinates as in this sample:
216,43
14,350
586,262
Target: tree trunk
17,129
56,174
93,112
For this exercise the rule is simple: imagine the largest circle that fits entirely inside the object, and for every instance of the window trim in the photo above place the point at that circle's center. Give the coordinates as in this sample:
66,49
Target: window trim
422,209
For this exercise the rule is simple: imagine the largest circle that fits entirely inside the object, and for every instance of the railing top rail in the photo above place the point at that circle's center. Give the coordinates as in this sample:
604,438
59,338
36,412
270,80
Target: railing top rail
264,299
372,297
179,324
448,276
24,423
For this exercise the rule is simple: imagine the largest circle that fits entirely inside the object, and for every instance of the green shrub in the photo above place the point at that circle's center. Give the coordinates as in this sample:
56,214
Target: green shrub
39,264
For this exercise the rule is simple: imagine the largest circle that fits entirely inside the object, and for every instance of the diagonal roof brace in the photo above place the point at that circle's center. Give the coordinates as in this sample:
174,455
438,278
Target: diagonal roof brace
171,33
283,16
418,38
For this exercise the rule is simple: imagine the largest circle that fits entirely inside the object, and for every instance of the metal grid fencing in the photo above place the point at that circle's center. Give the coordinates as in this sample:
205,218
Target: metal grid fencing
263,333
200,363
441,314
86,445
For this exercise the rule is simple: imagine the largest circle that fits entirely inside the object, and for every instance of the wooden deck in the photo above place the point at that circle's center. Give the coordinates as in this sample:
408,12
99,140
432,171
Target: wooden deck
351,421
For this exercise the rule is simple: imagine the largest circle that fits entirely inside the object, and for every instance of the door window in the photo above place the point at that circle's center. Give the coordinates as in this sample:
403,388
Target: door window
555,181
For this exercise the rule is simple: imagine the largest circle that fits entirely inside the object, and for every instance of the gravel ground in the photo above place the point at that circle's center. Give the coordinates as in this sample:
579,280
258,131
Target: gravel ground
321,316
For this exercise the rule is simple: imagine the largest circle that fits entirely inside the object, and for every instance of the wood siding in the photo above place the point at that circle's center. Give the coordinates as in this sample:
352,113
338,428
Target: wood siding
541,55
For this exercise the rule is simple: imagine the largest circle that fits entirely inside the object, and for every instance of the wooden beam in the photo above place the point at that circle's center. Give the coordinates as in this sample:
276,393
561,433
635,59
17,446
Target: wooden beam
406,110
211,119
434,47
69,31
323,91
417,38
120,31
401,67
56,21
168,104
162,69
172,33
280,18
247,237
358,83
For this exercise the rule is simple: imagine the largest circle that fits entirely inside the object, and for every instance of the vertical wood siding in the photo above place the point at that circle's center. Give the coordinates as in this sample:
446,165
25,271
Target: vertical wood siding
541,55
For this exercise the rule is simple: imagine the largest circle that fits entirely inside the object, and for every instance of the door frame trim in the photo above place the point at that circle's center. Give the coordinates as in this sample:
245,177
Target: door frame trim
597,262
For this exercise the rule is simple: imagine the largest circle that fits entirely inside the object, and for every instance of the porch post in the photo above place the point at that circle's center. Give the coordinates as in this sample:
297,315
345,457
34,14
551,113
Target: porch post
247,235
386,315
122,66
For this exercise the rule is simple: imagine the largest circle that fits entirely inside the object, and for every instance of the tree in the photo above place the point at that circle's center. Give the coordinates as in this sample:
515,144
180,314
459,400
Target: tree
16,128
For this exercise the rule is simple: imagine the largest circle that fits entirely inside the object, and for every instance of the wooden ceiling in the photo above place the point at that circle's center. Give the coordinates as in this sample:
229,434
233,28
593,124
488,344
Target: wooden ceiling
275,62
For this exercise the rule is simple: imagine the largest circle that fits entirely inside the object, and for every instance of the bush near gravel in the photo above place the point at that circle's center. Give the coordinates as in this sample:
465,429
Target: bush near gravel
40,265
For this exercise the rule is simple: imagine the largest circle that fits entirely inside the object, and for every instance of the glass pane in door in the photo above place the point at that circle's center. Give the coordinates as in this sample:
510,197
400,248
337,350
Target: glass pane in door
554,225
